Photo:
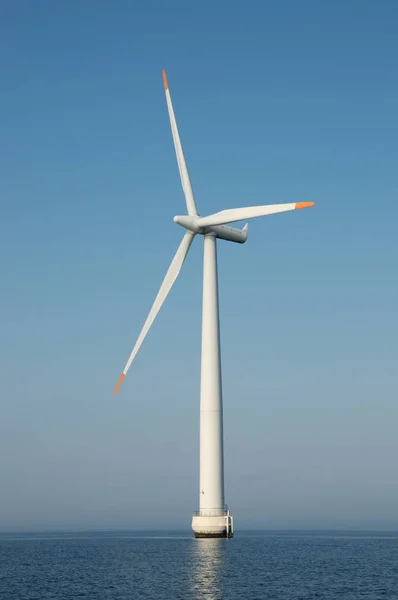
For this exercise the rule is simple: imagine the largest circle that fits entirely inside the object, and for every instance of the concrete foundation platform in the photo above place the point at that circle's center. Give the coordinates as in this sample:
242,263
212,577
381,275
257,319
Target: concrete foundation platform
220,526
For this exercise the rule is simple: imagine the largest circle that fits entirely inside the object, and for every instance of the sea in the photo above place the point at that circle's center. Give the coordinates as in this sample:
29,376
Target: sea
173,565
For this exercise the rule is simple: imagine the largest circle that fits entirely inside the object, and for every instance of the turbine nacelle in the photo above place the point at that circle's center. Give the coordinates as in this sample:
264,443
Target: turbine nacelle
230,234
223,232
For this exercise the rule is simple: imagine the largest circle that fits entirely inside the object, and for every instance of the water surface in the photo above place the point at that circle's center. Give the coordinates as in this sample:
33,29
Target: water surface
168,566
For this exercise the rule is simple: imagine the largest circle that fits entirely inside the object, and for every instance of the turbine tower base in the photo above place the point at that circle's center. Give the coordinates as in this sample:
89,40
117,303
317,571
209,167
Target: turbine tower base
213,526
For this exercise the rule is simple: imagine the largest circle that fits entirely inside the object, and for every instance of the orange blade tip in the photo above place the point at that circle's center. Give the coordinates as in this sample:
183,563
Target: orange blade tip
304,204
166,85
119,383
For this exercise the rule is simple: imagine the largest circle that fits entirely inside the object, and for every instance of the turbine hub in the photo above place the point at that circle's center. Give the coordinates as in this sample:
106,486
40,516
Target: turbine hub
188,222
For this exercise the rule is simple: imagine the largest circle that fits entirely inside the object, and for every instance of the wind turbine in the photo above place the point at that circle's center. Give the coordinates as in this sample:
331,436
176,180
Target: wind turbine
213,519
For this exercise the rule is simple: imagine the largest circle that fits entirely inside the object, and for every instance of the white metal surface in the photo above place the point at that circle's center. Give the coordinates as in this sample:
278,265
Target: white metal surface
211,487
230,234
165,288
248,212
224,232
182,167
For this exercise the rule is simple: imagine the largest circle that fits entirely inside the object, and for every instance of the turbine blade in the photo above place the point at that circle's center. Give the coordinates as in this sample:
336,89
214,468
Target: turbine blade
182,167
248,212
165,288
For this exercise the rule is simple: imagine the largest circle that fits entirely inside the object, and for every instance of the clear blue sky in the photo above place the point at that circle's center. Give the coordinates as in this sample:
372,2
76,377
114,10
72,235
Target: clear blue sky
276,102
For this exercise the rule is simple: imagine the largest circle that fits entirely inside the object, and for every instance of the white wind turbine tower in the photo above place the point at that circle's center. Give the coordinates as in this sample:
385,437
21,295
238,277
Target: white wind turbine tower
212,519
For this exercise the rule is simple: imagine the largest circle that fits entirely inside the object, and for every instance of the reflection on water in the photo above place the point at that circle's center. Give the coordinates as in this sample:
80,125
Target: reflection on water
208,564
282,566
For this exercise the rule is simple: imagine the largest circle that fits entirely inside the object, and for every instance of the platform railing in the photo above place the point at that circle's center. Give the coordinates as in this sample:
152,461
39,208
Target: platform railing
212,512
